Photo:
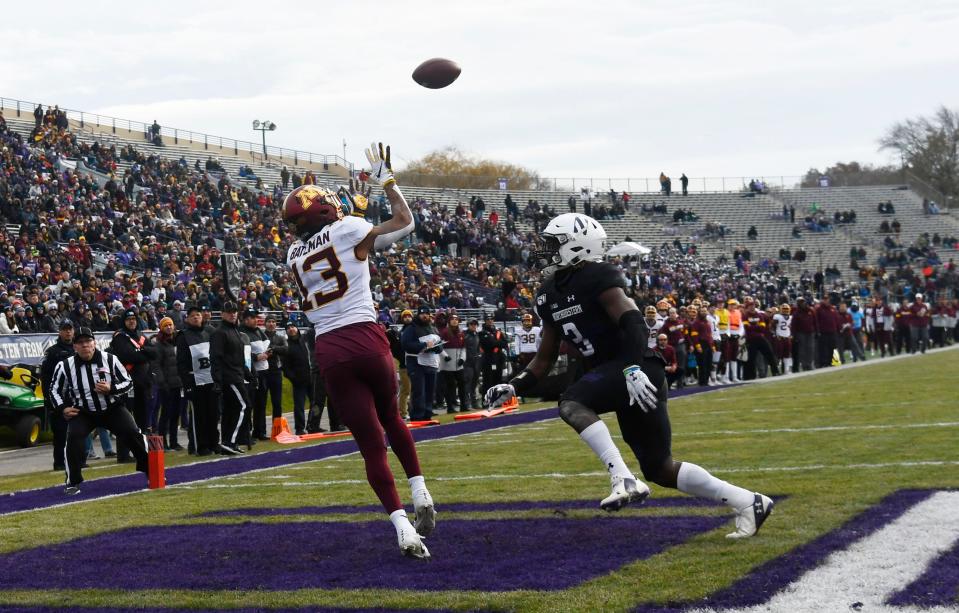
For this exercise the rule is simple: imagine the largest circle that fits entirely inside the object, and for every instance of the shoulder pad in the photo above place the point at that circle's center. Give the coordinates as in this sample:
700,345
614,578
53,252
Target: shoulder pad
603,275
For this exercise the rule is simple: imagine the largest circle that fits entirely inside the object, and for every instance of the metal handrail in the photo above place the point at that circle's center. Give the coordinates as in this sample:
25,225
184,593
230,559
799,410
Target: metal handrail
254,149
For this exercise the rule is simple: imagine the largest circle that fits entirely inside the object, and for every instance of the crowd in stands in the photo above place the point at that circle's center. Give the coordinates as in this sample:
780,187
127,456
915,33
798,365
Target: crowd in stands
88,247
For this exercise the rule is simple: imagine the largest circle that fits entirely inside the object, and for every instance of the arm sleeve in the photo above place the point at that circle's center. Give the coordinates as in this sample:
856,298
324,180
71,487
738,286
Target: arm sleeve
385,240
121,378
635,335
59,387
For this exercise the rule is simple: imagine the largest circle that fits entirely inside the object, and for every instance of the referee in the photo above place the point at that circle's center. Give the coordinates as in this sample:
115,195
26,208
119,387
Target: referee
88,390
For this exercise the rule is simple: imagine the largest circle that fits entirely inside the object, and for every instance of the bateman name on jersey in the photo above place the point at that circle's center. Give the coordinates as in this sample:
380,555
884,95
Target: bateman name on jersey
319,239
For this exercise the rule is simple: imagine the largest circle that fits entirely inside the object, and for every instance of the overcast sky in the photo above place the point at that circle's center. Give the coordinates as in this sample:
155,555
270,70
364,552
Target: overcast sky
568,89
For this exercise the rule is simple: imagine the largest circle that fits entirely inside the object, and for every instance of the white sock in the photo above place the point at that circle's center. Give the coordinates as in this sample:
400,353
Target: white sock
693,479
399,520
788,365
417,485
598,438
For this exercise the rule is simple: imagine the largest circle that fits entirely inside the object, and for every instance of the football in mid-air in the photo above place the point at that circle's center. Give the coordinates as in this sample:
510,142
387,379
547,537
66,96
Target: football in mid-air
436,73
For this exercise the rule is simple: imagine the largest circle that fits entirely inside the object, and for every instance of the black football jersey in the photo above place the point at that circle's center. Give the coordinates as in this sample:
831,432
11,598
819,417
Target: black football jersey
569,302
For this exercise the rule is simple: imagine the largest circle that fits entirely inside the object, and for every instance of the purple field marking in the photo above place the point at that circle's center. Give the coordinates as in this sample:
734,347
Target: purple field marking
500,555
936,587
457,507
42,498
771,577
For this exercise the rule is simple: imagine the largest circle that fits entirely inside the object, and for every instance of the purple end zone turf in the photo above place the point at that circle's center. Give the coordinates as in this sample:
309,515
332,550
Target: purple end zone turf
766,580
125,484
500,555
938,586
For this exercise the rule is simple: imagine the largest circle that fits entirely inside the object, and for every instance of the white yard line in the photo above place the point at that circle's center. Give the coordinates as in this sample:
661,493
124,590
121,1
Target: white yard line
578,475
941,424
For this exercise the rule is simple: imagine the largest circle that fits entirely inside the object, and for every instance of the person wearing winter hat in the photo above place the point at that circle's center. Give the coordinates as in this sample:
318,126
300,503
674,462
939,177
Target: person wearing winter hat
172,400
131,348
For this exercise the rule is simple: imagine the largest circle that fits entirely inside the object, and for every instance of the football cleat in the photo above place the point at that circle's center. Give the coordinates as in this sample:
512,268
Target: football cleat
71,490
626,490
750,519
425,513
411,544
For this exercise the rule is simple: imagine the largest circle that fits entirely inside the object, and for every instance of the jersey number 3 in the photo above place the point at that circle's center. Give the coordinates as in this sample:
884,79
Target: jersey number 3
585,347
333,271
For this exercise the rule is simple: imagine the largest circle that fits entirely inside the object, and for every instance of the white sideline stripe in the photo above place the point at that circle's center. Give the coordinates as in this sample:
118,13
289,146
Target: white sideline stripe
874,568
555,475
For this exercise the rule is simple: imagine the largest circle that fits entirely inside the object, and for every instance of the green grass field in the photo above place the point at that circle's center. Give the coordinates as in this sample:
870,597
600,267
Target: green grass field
832,445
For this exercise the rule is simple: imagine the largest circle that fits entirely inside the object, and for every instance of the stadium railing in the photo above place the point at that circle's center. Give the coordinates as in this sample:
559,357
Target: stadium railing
255,150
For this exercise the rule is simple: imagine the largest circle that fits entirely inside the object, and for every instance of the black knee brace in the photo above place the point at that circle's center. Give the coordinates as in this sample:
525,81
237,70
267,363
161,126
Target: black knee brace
577,415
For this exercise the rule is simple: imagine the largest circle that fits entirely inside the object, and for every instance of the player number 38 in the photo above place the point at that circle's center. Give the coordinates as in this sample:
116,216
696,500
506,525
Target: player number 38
332,270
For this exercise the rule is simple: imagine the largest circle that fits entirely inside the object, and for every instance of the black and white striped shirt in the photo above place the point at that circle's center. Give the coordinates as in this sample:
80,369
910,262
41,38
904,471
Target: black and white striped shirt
74,380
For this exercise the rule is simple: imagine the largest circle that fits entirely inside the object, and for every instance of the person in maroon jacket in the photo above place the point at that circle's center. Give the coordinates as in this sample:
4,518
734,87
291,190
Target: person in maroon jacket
940,316
675,329
757,340
903,321
827,323
701,343
919,325
669,356
803,328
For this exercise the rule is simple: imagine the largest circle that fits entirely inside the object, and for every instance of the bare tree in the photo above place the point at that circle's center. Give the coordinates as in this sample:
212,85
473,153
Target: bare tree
450,167
929,147
849,174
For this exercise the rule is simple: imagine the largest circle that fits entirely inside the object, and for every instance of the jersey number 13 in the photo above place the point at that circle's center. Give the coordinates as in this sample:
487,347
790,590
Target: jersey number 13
332,270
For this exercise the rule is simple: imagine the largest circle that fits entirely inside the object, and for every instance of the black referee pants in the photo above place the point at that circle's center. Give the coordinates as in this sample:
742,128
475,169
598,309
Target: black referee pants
117,420
236,414
205,418
136,404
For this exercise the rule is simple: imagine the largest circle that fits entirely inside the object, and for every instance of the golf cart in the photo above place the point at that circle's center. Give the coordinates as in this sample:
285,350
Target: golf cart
21,403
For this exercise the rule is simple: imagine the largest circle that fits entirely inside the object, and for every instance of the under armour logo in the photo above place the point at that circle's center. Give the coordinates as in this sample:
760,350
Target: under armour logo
571,298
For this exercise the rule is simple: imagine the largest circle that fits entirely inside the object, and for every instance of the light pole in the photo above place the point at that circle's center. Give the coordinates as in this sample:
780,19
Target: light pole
263,127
